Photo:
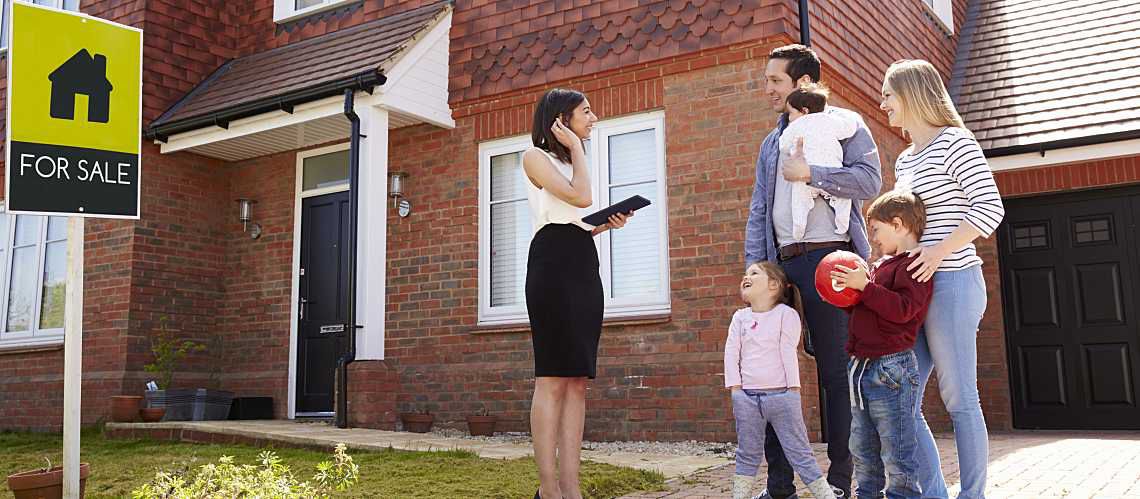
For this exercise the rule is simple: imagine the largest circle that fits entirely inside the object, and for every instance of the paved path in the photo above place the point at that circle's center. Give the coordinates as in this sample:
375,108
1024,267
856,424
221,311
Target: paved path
1022,465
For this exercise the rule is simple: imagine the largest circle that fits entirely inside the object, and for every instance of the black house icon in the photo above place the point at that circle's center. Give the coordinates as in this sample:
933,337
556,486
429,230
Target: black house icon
81,74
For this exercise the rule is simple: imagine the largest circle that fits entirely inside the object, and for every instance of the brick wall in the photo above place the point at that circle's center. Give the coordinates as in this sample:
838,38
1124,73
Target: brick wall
861,39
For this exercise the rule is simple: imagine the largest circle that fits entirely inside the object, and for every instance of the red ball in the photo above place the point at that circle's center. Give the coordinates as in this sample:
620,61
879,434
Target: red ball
826,286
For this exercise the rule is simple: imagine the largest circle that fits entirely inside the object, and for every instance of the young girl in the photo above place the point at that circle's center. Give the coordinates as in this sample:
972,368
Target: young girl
761,369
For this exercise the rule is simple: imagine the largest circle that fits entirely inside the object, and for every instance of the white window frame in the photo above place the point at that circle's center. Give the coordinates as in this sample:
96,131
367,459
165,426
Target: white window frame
34,336
286,10
6,11
659,303
943,11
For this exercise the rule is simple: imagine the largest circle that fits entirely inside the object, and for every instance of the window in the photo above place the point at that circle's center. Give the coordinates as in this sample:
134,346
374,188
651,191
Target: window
33,270
287,10
943,12
4,11
626,157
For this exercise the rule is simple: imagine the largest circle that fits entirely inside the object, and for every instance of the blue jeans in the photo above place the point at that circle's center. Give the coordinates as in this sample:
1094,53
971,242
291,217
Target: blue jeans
827,327
883,438
948,342
755,410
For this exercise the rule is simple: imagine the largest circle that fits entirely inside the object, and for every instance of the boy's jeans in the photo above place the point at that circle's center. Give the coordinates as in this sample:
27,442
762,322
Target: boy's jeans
883,425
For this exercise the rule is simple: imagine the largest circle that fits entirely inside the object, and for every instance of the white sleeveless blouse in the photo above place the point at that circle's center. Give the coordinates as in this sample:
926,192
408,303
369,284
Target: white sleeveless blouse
546,208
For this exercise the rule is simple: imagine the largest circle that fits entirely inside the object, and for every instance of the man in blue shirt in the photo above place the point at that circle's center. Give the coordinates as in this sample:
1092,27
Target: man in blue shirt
769,236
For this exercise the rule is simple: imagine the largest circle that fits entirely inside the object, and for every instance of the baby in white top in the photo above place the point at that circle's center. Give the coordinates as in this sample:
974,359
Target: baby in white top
821,132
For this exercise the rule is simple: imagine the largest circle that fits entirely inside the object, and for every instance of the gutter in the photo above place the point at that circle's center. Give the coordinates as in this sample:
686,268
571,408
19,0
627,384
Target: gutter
349,354
1041,147
805,31
365,81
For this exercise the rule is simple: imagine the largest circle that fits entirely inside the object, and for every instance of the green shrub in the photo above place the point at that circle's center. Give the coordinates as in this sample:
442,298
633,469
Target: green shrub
270,479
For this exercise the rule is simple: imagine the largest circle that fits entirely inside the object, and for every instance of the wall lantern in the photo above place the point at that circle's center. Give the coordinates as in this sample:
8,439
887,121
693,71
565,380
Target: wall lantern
245,216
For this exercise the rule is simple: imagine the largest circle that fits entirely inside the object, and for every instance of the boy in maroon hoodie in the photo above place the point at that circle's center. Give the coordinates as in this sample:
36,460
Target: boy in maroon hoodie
883,370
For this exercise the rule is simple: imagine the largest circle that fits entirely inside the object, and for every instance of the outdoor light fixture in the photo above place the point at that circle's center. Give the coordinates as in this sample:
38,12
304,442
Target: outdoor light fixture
245,216
396,192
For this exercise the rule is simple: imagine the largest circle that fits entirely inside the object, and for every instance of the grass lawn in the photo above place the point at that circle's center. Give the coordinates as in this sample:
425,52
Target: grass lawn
118,466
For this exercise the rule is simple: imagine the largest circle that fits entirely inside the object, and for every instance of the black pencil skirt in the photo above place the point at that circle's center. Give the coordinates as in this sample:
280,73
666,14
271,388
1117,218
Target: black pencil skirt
564,300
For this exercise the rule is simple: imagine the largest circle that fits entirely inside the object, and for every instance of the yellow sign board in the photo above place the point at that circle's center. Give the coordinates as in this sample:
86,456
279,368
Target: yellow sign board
74,114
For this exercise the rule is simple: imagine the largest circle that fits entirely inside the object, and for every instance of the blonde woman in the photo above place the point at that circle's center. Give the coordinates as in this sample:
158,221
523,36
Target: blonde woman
945,167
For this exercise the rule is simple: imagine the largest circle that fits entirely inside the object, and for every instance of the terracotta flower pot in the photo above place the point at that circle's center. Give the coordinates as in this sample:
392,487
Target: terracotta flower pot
417,423
125,408
152,414
40,484
483,426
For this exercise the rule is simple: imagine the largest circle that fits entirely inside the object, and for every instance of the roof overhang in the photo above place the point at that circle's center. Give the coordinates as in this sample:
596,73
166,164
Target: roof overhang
413,89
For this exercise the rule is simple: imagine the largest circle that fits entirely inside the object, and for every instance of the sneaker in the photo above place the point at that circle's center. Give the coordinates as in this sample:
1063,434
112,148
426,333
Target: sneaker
765,495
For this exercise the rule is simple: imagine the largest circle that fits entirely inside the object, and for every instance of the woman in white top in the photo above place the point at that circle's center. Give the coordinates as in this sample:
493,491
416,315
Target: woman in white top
563,288
946,168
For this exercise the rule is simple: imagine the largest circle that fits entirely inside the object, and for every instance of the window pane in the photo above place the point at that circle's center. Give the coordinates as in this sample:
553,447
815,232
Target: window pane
507,177
57,228
22,290
510,242
71,4
27,230
326,170
301,4
633,157
635,251
4,25
3,232
55,276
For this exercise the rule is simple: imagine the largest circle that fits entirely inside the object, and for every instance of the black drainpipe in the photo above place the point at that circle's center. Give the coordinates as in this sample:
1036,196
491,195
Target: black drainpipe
353,199
805,32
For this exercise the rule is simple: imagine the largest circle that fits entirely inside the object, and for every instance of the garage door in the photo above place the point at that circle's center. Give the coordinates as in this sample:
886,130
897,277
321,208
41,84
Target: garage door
1069,289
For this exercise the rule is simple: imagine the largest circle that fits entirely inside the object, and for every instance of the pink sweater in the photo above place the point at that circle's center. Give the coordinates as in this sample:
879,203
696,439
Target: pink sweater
761,349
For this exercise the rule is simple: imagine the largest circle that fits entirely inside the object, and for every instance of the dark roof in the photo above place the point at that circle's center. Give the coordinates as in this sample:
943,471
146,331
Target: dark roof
1049,73
366,48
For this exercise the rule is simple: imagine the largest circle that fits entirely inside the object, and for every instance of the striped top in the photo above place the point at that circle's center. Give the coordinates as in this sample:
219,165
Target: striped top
954,180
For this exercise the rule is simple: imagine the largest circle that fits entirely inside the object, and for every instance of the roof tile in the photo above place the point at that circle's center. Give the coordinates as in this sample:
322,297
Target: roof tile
1033,72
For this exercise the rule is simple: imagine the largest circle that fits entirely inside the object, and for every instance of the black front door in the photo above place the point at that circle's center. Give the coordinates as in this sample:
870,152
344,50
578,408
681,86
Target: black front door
1070,269
323,297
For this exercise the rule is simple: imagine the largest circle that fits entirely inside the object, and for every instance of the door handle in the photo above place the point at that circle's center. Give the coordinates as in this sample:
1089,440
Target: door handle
304,302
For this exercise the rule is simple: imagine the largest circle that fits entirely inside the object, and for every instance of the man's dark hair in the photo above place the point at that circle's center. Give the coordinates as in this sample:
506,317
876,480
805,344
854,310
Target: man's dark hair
812,97
801,61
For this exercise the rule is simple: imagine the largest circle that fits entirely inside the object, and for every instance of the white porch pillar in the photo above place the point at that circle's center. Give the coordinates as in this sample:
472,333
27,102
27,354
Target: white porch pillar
372,254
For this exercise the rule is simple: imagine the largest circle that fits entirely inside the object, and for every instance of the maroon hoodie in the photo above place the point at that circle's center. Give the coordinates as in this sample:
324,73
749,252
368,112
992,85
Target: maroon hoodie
890,310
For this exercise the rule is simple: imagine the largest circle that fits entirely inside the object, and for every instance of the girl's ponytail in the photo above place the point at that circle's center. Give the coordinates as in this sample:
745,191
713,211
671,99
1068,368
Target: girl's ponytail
793,299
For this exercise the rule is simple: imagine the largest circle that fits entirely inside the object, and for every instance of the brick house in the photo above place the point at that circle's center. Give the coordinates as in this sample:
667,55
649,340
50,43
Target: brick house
247,100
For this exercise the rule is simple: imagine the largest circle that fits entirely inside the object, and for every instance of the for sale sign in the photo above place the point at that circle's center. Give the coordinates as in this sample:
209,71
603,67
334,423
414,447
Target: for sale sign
74,114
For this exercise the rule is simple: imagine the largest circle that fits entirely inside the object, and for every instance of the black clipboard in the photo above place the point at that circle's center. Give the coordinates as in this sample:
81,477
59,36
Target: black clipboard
632,203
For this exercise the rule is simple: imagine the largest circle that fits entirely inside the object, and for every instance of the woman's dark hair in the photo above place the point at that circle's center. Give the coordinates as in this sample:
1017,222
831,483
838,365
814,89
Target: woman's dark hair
557,103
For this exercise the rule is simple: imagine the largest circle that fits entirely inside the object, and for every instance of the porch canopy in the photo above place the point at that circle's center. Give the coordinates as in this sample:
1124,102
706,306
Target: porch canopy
293,97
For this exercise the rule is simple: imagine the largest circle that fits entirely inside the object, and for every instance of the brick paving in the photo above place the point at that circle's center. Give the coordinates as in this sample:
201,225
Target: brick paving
1022,465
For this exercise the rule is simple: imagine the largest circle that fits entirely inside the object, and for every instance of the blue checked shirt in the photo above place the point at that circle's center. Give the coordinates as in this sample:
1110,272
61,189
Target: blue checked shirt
859,179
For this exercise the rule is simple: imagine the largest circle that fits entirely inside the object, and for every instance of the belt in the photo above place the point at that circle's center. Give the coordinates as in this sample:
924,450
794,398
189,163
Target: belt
796,249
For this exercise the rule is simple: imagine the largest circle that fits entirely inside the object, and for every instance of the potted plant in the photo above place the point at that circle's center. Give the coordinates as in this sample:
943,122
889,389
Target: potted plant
124,408
481,423
152,414
194,404
417,422
44,482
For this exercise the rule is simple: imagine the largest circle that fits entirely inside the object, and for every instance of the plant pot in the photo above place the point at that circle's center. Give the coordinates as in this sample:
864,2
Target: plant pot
152,414
125,408
40,484
481,426
417,423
